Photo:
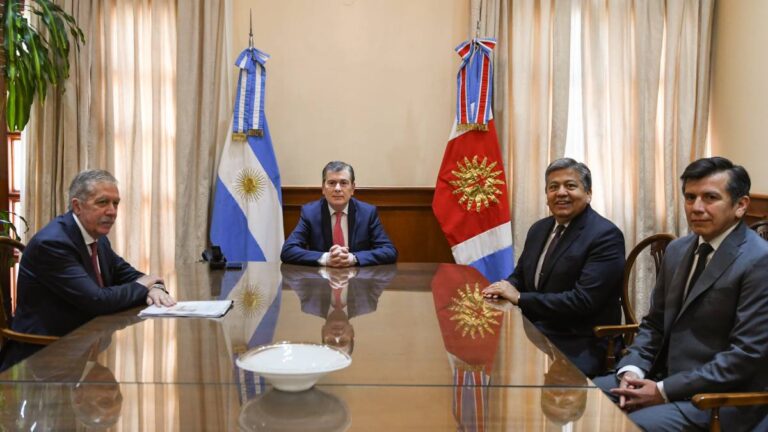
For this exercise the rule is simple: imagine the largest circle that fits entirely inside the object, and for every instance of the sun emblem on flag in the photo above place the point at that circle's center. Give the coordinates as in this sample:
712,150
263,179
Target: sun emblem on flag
472,313
250,301
477,183
249,184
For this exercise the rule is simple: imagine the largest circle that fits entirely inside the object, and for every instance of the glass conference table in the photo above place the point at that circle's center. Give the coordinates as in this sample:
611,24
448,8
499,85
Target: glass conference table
428,353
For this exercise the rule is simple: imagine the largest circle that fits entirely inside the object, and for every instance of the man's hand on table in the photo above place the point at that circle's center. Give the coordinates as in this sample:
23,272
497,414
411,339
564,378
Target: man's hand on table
502,289
157,294
339,256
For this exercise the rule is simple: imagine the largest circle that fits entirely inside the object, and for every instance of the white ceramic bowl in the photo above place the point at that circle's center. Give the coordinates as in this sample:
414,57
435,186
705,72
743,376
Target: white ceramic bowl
293,367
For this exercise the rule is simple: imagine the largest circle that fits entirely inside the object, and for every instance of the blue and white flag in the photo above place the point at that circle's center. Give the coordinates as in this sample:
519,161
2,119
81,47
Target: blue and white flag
247,220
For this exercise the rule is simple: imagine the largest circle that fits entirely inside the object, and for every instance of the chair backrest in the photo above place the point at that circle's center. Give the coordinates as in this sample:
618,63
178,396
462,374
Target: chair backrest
10,253
657,244
761,227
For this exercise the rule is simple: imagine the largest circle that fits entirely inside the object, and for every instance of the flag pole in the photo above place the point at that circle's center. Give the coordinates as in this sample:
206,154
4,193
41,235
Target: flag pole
250,33
479,17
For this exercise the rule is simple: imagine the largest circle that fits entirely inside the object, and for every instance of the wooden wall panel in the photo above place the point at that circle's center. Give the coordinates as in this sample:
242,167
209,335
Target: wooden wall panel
405,212
758,208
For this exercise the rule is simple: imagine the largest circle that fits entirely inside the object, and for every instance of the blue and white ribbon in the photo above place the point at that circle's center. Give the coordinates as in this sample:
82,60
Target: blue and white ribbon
475,84
249,100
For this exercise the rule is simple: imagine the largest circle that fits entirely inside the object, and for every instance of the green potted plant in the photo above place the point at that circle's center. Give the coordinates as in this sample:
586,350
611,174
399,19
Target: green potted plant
8,228
32,58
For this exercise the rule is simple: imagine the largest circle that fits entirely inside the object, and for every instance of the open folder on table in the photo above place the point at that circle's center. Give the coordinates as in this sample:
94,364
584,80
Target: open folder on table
200,309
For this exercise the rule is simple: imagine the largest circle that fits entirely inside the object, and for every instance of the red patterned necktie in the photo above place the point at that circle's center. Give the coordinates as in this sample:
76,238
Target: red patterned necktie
338,304
95,262
338,234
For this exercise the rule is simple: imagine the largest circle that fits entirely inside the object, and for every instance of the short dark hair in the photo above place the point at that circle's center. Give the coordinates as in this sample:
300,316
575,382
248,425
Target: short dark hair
585,175
738,178
338,166
83,183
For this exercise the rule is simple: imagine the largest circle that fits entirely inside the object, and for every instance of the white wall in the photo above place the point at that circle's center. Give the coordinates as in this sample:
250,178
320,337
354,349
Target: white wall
370,82
739,103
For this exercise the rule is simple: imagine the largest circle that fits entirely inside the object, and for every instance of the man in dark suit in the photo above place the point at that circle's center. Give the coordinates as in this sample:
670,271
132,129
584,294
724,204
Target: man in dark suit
338,230
707,328
568,278
69,273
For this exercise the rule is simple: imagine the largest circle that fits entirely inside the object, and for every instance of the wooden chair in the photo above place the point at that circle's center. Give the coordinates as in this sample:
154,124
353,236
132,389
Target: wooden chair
657,244
761,227
8,257
715,401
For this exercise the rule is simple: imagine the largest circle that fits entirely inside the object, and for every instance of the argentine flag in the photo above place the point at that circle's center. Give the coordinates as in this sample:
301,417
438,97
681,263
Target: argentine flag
247,221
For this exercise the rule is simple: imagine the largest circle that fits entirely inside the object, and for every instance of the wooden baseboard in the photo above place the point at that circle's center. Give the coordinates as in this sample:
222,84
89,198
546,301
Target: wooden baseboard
405,212
758,208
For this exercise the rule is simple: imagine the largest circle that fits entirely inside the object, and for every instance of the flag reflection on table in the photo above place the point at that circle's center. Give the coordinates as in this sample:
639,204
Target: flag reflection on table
252,320
470,329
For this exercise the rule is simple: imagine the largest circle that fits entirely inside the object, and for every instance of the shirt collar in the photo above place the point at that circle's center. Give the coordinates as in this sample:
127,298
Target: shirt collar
346,208
717,241
86,237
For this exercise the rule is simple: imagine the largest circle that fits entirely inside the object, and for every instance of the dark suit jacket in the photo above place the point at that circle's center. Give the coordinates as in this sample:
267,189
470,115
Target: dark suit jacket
579,288
312,236
58,291
718,338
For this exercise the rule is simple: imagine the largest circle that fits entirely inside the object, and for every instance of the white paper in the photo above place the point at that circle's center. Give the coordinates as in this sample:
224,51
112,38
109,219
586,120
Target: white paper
202,309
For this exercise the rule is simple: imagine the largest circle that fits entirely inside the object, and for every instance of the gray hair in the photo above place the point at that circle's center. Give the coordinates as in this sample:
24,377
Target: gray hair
338,166
585,175
83,183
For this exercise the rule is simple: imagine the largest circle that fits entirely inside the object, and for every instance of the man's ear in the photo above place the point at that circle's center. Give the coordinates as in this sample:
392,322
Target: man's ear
741,206
76,206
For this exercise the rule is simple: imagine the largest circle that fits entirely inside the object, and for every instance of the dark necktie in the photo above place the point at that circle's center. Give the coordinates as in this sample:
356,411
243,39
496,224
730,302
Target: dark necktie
338,234
703,252
95,262
558,233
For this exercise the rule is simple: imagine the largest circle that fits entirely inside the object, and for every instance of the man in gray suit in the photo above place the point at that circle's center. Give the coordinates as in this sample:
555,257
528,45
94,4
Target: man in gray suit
707,328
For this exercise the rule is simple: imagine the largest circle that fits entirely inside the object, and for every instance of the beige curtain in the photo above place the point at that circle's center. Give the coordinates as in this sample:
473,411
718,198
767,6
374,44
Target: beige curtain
117,113
530,95
205,97
621,85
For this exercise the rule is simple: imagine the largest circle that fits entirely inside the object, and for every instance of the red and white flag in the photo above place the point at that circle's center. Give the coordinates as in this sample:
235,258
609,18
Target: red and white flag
471,200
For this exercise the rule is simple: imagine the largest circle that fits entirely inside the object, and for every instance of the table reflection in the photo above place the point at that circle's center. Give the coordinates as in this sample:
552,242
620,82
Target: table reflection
470,328
419,332
91,397
338,295
564,397
311,410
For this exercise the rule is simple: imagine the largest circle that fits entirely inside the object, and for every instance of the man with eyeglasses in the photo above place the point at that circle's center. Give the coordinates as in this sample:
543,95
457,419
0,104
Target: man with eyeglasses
338,230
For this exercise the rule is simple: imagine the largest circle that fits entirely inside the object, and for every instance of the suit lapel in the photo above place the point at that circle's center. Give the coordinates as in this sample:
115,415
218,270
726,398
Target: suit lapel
569,236
106,275
538,239
351,219
674,295
728,251
325,223
74,234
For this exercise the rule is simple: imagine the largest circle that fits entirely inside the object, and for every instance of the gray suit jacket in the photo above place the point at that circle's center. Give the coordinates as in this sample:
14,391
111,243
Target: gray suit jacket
717,339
